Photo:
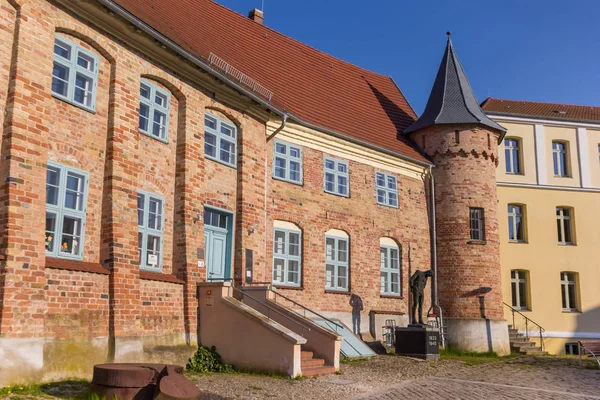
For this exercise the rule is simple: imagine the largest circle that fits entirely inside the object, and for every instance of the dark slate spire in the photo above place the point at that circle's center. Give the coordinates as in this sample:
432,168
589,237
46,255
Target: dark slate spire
452,100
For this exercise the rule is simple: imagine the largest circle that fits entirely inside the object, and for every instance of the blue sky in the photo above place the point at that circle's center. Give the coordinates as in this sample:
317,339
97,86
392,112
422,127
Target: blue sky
539,50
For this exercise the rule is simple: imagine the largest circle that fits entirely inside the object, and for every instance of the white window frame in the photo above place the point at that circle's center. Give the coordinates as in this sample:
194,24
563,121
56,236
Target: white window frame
220,138
73,69
516,216
565,283
518,278
384,193
334,172
153,107
560,159
512,153
286,257
572,348
388,268
477,214
60,211
564,217
287,158
145,230
337,264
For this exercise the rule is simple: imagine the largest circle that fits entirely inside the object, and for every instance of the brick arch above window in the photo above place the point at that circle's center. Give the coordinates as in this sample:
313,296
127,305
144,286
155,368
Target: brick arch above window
75,31
166,81
78,158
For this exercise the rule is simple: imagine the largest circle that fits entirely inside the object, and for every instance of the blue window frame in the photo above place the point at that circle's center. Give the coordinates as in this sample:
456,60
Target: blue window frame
287,257
336,263
512,154
390,270
387,189
74,74
154,111
151,210
336,177
66,200
559,156
287,162
220,140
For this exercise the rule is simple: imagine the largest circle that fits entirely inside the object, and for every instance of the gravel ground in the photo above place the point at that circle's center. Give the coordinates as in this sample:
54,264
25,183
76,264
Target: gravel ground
366,378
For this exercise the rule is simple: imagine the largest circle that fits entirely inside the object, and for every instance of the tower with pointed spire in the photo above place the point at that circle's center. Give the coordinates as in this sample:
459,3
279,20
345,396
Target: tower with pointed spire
463,144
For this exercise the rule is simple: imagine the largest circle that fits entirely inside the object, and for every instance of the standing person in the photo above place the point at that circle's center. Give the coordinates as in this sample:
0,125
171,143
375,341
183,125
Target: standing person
357,307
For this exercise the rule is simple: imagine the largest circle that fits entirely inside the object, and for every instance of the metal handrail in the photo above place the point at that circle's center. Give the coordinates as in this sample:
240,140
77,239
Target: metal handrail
582,346
527,320
269,309
306,309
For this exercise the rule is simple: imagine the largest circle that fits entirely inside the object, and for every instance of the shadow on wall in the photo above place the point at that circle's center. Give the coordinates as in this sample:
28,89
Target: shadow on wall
589,321
480,294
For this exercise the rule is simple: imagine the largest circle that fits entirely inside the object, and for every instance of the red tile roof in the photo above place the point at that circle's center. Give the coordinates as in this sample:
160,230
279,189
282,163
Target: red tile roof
305,82
566,112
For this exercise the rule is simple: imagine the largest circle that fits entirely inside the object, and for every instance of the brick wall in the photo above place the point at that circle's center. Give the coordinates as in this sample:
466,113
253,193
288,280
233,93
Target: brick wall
467,270
62,302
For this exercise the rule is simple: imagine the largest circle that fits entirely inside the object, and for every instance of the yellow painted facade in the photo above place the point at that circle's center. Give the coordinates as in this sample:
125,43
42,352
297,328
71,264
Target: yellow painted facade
539,256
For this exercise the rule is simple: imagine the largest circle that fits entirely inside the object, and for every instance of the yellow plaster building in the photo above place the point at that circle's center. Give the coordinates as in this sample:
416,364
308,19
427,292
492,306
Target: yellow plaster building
548,181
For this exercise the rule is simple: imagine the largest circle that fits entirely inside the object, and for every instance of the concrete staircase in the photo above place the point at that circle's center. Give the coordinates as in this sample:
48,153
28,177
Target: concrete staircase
311,366
520,344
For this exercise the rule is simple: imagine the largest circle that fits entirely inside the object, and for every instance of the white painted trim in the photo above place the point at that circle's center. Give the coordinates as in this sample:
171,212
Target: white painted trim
290,226
386,241
584,158
563,335
337,233
533,121
540,154
547,187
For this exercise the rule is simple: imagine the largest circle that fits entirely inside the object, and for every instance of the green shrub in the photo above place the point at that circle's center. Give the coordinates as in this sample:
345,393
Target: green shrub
207,360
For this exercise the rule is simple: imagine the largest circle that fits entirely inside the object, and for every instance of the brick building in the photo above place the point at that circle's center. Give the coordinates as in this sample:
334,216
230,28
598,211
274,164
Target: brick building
149,146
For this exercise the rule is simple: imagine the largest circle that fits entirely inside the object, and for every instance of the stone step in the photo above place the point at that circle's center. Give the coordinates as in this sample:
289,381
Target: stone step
316,371
306,355
522,343
311,362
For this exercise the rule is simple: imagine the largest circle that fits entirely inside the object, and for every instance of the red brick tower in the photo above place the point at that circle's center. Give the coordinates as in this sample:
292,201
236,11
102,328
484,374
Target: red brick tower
463,144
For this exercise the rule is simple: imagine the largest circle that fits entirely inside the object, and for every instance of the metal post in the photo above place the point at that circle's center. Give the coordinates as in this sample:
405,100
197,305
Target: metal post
513,315
526,330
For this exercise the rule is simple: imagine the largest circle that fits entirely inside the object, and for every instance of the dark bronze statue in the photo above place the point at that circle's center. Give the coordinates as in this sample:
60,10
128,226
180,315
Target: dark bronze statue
418,281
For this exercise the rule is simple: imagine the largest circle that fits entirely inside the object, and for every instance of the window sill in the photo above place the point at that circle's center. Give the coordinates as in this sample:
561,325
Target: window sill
571,312
563,176
515,173
567,244
391,296
71,102
73,265
219,161
478,242
165,141
288,287
288,181
336,194
517,242
157,276
387,205
331,291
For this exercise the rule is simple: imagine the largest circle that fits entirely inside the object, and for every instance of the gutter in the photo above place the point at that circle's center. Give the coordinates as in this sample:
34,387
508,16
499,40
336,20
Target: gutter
112,6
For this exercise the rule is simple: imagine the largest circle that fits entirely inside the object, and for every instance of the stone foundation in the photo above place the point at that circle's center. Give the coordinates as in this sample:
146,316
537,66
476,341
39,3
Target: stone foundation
480,335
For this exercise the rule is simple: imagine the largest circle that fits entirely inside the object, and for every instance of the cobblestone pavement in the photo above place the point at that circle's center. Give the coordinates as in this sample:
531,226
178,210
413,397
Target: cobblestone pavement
390,377
447,388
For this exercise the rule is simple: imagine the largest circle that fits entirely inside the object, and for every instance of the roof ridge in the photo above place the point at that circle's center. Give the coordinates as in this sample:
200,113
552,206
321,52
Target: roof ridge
297,42
539,102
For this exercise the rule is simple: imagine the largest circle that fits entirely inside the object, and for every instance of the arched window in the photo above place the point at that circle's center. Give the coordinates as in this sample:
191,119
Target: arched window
390,263
220,140
516,223
568,282
337,250
564,225
154,110
560,158
520,289
512,154
287,254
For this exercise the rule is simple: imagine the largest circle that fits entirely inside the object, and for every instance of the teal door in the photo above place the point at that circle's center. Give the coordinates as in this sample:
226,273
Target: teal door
216,242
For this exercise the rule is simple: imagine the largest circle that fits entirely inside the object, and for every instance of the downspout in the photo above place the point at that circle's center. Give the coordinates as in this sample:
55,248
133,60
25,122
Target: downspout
436,302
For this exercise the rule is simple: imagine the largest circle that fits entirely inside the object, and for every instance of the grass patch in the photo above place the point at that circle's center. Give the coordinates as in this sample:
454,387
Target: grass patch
471,357
354,360
69,389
